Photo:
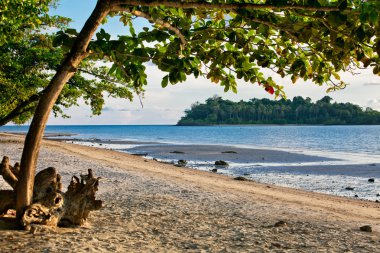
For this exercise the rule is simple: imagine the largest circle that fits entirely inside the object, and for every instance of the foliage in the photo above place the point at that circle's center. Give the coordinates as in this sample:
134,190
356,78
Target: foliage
26,69
285,111
221,44
308,39
16,17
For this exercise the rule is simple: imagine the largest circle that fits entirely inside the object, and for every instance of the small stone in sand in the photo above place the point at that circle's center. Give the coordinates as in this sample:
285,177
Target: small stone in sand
241,179
229,152
214,170
280,223
366,228
182,162
221,163
378,195
349,188
371,180
33,230
356,196
177,152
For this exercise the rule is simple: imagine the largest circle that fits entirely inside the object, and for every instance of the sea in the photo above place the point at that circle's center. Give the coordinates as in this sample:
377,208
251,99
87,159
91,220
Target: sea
351,170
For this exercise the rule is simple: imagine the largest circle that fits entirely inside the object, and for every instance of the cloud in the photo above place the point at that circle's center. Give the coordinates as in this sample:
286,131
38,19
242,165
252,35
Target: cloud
374,104
372,83
114,109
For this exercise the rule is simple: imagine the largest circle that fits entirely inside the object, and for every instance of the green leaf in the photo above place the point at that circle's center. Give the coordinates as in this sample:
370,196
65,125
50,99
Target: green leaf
343,5
71,31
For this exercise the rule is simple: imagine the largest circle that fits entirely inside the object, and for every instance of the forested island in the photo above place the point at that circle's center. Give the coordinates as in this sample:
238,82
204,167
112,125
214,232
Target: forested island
299,110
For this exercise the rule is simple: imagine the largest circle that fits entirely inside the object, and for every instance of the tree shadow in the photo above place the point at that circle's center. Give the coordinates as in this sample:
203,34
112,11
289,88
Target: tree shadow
9,223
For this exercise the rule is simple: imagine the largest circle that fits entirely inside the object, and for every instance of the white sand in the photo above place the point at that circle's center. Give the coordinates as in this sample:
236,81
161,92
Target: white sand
155,207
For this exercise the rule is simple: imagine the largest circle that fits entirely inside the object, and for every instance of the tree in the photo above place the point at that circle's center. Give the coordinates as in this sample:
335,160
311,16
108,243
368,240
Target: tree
265,111
221,40
27,67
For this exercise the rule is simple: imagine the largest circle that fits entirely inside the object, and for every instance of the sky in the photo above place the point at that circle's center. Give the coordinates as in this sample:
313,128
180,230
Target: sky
167,105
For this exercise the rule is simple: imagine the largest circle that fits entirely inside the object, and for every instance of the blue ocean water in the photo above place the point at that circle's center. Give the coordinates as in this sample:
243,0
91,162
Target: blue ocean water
355,148
352,139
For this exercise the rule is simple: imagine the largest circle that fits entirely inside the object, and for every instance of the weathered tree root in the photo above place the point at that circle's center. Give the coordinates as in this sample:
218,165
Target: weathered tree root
50,205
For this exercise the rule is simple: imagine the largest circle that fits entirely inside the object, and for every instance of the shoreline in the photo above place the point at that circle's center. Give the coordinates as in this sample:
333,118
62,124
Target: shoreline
315,172
155,207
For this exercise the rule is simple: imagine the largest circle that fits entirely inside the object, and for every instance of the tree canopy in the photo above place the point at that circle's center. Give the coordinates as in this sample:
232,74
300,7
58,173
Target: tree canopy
26,69
309,40
16,17
230,40
216,111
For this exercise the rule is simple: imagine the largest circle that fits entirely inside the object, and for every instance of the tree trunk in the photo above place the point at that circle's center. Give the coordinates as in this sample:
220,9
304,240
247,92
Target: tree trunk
64,73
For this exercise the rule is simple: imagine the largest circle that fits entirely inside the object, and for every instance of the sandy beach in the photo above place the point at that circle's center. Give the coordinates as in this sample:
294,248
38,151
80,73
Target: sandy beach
156,207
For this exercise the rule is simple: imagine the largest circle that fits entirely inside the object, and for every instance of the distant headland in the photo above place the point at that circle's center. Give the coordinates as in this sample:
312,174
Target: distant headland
299,110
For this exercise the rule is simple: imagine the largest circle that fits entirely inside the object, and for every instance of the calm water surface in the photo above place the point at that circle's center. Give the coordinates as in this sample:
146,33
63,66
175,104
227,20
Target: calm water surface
352,139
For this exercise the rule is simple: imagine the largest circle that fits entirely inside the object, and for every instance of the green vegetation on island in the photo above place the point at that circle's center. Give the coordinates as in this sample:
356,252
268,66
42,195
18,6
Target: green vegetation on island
217,111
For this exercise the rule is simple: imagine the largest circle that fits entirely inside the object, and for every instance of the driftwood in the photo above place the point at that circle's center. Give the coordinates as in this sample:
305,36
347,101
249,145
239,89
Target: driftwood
50,205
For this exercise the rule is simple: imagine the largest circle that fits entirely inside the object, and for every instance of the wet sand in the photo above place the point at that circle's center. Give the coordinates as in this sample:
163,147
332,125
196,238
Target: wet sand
155,207
227,153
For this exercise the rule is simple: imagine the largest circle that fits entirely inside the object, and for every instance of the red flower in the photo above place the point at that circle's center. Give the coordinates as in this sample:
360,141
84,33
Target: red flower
269,89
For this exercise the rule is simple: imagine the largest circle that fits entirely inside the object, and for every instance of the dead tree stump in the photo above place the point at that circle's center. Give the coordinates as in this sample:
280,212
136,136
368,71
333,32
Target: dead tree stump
51,206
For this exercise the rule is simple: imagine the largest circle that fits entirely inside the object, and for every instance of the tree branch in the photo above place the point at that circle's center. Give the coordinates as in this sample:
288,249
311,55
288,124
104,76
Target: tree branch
205,5
6,170
20,109
157,21
101,77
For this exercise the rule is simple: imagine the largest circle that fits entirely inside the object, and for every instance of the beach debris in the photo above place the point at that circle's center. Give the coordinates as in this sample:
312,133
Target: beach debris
372,164
348,188
241,178
378,195
50,205
276,244
356,196
246,174
221,163
366,228
229,152
140,154
33,230
214,170
280,223
371,180
177,152
182,162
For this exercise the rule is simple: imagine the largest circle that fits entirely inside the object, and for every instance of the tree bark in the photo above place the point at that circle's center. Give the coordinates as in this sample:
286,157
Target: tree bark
64,73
